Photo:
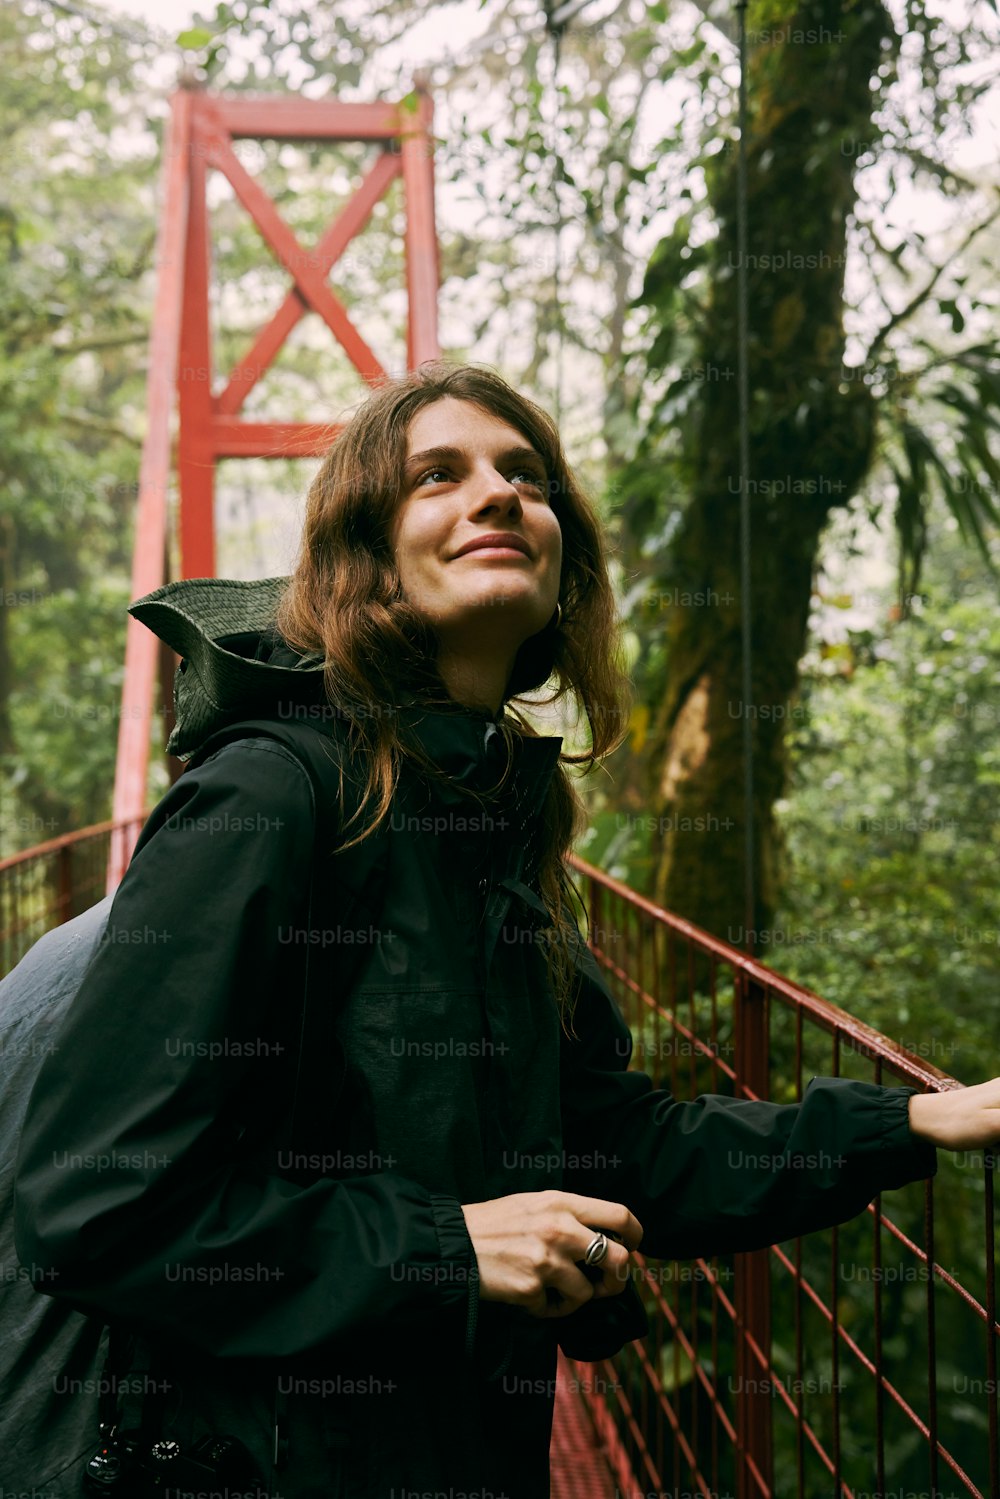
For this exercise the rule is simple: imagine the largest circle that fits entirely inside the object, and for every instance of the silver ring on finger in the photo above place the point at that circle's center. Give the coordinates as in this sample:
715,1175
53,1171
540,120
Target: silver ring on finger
596,1251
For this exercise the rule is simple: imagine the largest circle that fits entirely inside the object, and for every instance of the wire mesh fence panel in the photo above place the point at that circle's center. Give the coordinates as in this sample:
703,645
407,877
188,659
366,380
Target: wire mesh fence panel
857,1361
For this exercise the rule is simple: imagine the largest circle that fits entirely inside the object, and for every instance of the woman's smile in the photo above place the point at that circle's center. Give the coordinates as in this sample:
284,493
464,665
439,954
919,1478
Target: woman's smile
480,552
477,494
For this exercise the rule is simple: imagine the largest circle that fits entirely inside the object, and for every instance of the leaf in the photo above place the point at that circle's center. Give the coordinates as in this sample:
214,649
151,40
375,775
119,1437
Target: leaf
195,38
639,725
949,306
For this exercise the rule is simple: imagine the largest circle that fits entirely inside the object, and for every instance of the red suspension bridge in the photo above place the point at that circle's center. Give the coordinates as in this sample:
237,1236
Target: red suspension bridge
708,1403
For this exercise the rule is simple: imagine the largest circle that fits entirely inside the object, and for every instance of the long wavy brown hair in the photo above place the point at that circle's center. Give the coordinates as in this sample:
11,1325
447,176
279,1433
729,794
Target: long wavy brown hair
345,599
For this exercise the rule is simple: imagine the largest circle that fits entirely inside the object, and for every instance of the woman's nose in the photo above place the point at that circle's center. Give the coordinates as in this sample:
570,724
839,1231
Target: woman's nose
494,489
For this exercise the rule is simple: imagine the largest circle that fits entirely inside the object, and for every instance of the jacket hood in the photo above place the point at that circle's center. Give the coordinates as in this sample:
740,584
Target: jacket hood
234,664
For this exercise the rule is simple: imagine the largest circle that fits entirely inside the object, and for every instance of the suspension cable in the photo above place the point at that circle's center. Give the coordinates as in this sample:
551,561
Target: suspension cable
557,18
743,389
556,32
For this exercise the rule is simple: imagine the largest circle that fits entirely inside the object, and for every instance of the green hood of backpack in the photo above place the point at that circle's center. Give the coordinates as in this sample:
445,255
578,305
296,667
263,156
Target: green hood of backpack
234,664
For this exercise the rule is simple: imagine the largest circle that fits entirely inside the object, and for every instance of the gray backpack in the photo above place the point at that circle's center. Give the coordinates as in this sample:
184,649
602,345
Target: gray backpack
50,1356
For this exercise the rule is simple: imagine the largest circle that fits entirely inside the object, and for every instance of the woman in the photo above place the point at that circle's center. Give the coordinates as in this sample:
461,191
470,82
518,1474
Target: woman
488,1166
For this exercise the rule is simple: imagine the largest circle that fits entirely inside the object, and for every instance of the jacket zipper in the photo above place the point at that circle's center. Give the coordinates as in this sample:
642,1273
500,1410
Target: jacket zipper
485,897
472,1317
472,1305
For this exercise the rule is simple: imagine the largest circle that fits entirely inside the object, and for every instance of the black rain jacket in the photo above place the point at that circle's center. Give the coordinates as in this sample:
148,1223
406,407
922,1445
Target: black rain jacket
150,1184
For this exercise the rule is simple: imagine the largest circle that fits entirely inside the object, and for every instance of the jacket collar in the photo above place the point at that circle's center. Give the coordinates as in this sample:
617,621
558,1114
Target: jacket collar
469,748
234,665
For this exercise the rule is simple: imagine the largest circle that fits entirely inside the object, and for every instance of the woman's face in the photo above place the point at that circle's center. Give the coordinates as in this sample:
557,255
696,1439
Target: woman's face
468,475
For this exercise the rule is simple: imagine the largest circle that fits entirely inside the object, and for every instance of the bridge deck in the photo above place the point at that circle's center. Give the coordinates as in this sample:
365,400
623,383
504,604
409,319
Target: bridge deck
578,1465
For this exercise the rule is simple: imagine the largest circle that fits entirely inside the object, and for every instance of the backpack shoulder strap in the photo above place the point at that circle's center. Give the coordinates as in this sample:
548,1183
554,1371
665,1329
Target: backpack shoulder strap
351,878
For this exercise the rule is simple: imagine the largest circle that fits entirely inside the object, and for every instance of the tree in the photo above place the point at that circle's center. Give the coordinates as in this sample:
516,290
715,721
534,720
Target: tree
75,243
824,423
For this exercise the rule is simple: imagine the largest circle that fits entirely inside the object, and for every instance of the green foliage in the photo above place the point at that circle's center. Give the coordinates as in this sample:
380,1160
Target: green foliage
892,845
892,854
66,706
196,38
75,242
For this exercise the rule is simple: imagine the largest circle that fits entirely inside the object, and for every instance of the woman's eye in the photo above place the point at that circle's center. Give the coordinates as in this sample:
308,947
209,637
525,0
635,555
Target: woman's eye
530,477
523,476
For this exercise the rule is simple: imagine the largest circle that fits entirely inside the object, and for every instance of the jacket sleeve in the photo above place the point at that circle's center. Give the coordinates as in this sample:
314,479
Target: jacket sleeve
716,1175
133,1191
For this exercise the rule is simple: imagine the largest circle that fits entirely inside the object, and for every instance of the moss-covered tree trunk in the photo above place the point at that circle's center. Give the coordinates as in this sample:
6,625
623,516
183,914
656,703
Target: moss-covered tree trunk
810,103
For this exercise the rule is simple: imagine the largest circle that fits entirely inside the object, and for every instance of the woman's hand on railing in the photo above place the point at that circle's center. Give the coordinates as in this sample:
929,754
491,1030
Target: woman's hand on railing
528,1246
960,1118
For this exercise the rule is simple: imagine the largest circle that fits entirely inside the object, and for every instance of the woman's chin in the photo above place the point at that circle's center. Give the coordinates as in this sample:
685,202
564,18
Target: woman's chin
511,611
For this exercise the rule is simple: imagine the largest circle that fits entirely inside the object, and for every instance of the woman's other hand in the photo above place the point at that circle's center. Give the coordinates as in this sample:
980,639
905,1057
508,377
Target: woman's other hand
960,1118
528,1244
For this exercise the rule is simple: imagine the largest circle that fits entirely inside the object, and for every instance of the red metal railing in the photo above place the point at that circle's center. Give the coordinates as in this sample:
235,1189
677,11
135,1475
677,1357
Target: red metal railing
856,1362
54,881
